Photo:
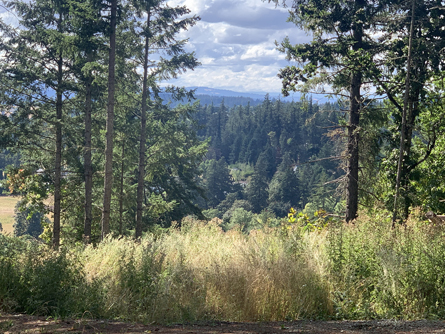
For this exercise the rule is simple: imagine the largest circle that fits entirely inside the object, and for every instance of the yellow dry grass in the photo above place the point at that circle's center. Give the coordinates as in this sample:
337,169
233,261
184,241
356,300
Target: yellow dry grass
7,204
200,272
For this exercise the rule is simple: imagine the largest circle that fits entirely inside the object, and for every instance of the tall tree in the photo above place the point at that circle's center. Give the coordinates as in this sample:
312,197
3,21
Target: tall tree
339,55
159,35
88,29
143,137
256,191
108,179
284,188
411,58
173,157
218,181
355,101
404,113
37,64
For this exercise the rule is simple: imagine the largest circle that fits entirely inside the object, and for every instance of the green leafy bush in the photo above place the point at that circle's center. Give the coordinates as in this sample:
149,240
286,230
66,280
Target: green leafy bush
35,280
382,272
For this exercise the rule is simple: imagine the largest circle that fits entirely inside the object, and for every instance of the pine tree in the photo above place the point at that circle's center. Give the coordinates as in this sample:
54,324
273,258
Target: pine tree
37,60
108,179
268,159
256,191
340,54
159,33
284,189
413,58
88,28
219,182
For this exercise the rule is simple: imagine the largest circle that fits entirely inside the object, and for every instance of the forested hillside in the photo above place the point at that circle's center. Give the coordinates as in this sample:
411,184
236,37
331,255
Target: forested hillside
94,136
281,155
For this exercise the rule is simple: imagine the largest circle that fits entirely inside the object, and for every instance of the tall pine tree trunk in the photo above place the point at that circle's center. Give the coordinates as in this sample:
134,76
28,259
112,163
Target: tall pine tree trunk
108,181
405,131
407,161
353,150
121,192
58,160
142,144
353,129
88,166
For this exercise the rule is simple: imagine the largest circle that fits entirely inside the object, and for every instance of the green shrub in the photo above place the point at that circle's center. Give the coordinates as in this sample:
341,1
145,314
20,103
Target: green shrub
382,272
36,280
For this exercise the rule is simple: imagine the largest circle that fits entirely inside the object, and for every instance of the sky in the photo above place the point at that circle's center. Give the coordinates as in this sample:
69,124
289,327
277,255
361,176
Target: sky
235,42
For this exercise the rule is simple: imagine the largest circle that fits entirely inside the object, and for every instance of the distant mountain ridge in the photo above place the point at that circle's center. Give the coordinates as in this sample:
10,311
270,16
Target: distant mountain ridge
230,93
296,96
207,95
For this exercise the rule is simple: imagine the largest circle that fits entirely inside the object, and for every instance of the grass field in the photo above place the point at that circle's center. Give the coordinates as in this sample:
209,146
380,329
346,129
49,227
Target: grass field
7,204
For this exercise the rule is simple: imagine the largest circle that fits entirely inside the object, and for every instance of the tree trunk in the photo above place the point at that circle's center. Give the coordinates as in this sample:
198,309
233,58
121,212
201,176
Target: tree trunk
58,162
405,131
88,166
407,160
108,181
121,195
142,145
353,130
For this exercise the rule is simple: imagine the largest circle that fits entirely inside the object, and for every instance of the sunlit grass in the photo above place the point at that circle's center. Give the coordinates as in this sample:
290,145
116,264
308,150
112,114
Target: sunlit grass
7,204
200,272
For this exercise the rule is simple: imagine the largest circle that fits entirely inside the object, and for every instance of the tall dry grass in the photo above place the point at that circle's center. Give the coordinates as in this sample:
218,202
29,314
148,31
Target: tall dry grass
199,272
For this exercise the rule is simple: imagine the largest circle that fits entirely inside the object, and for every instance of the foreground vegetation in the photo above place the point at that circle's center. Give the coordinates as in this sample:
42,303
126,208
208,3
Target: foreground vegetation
198,272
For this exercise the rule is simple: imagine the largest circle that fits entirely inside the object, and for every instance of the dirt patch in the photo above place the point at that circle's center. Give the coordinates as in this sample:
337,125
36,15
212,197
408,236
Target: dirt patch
19,323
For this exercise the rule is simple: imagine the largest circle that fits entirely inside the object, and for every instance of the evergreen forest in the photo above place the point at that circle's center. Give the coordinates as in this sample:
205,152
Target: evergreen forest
142,201
270,157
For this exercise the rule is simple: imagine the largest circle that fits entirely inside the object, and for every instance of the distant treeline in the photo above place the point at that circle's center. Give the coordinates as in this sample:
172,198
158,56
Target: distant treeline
229,101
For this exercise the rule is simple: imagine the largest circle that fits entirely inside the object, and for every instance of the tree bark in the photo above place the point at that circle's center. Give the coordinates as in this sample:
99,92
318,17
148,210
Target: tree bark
88,166
404,131
407,162
58,158
121,194
353,129
108,180
353,149
142,143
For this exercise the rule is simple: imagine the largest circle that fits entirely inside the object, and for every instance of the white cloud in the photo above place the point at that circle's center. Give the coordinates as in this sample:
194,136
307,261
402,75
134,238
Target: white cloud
253,78
9,17
261,51
235,42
